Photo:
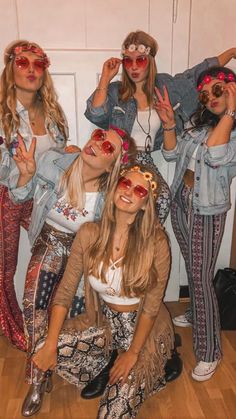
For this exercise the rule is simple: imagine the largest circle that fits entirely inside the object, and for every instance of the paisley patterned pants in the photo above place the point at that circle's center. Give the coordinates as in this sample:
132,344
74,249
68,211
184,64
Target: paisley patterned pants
12,217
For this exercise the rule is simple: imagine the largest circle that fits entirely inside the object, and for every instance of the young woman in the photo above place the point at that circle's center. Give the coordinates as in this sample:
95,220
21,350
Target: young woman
29,106
68,190
205,159
124,308
129,103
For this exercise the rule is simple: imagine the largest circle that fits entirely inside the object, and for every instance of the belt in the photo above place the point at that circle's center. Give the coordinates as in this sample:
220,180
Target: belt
188,178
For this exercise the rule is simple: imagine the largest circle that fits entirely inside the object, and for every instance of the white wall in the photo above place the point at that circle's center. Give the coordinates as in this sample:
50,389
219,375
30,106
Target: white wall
79,35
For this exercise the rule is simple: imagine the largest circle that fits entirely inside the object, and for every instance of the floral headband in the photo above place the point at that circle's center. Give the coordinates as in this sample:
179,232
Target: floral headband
125,145
220,76
148,176
143,49
30,48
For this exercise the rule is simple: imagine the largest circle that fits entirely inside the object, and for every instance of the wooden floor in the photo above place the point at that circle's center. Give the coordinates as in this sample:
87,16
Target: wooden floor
181,399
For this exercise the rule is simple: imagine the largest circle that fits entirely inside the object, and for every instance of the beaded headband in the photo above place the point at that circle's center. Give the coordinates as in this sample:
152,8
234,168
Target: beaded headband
148,176
220,76
30,48
143,49
125,145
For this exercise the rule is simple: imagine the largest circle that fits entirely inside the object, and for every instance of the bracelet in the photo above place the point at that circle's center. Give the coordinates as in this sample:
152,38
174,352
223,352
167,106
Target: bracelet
169,129
230,113
101,88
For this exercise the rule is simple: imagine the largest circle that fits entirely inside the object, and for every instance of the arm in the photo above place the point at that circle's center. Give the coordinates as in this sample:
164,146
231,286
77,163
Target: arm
153,298
226,56
109,71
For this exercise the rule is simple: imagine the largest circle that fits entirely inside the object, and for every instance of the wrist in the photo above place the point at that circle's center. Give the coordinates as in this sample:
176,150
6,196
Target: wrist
169,126
231,113
134,351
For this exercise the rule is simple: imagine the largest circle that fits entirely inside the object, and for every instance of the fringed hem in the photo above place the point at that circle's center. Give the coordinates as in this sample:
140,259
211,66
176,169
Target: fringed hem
151,364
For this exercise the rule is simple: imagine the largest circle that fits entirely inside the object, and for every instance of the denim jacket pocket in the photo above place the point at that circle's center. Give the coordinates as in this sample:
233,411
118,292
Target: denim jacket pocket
43,190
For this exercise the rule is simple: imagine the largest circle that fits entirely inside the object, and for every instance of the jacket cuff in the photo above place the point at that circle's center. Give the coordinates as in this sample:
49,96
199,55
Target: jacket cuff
21,193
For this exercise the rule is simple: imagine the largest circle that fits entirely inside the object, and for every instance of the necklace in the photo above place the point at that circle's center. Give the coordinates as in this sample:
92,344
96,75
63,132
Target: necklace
33,115
148,139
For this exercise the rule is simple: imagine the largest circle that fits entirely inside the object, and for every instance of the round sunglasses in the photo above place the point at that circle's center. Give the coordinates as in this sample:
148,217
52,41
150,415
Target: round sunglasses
217,90
138,190
106,146
140,61
23,63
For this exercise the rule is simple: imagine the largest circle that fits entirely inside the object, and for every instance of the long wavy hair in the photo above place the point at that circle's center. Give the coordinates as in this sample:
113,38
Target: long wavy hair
72,180
202,116
47,97
137,271
128,87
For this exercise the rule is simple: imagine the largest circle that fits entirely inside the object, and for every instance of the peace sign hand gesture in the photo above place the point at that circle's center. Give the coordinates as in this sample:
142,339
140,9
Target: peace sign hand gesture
164,108
24,159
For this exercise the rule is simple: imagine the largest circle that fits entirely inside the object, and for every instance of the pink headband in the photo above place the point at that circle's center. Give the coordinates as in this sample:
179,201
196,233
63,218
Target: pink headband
220,76
30,48
125,145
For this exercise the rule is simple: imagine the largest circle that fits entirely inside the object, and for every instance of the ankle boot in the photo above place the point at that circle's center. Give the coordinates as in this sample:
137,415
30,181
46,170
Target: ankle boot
97,386
174,365
34,398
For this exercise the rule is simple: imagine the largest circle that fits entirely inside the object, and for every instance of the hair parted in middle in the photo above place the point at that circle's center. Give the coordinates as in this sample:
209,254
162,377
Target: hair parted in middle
72,180
128,87
137,272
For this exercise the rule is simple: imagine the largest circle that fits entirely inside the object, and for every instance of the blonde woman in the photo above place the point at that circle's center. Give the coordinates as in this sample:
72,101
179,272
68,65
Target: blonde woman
123,298
28,106
68,190
129,103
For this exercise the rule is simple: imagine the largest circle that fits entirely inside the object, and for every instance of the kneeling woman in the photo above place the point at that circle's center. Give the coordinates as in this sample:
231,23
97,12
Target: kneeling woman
125,259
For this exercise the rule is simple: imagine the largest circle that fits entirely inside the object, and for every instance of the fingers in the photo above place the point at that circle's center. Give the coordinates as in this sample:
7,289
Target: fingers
159,96
113,63
32,147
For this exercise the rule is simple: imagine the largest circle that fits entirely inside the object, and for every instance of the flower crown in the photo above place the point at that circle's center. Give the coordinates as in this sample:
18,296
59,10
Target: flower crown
148,176
136,47
30,48
125,144
220,76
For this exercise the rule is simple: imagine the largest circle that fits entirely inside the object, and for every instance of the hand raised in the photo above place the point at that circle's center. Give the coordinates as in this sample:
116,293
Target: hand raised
110,68
230,94
164,107
24,159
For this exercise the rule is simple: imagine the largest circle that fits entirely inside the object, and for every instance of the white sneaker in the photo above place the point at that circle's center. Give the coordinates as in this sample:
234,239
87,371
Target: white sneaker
181,321
204,370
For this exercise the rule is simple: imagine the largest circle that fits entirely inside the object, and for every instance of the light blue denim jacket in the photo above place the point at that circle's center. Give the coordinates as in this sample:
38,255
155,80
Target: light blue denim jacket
214,169
182,92
44,188
7,165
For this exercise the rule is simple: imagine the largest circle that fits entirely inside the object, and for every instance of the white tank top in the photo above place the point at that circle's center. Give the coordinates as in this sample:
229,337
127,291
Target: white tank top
44,143
139,135
110,291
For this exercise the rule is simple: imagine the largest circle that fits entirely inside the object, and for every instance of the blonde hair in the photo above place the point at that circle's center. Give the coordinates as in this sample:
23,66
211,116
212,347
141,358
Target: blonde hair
128,87
72,180
137,272
47,97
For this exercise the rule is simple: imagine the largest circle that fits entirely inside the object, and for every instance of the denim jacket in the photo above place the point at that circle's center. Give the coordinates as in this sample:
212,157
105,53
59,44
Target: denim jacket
7,164
214,169
44,188
182,92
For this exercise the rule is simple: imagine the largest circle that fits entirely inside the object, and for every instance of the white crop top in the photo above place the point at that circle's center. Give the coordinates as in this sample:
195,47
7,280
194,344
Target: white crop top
110,291
139,135
65,218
